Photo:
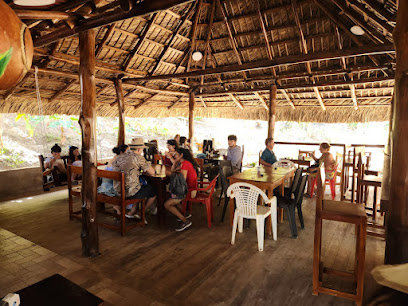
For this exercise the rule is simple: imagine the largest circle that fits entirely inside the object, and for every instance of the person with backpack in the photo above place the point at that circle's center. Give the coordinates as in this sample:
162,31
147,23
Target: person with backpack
184,174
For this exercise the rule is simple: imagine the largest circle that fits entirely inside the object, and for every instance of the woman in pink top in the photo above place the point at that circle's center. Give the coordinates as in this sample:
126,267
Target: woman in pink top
185,164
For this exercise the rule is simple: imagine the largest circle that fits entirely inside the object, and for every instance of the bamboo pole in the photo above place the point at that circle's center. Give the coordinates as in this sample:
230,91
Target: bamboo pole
396,248
87,121
191,103
121,109
272,111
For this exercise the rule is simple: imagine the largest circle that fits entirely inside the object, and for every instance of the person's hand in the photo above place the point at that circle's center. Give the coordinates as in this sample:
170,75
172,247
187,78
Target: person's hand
176,169
225,157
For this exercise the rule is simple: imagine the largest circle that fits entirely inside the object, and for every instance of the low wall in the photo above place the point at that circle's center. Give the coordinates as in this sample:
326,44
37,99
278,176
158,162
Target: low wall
20,181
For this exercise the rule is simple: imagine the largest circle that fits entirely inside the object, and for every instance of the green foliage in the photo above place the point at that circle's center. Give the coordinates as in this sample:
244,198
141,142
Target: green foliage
67,123
31,122
10,158
4,60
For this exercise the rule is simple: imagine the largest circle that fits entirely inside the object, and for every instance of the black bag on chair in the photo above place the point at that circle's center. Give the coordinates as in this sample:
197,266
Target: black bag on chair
178,186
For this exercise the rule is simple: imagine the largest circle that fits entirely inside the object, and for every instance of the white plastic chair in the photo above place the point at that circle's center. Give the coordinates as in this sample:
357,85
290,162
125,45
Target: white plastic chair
246,196
284,163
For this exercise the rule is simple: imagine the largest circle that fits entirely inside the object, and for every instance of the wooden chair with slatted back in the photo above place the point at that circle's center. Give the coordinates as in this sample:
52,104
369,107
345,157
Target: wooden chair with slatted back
259,159
242,158
339,211
306,153
200,164
339,163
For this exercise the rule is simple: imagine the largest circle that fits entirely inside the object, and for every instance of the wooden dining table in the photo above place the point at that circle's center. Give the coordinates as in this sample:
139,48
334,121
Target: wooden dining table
160,181
267,179
302,162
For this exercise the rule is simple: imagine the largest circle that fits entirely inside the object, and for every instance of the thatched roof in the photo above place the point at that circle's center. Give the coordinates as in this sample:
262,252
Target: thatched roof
305,47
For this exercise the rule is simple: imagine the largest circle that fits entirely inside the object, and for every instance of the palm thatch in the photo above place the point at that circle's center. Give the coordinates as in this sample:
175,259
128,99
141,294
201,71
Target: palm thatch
305,47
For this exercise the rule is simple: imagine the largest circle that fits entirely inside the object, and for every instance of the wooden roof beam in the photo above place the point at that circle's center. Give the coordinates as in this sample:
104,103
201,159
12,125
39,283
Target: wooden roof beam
381,10
175,102
139,43
287,60
139,9
239,104
299,85
62,90
342,26
305,51
260,98
364,11
207,43
11,91
108,33
295,75
173,37
354,17
193,36
288,98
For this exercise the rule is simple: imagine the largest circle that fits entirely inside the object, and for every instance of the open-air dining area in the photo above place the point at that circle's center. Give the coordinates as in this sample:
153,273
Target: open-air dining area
203,152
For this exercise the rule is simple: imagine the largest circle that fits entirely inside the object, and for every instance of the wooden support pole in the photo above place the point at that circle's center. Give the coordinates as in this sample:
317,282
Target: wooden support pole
272,111
87,121
121,108
191,103
396,247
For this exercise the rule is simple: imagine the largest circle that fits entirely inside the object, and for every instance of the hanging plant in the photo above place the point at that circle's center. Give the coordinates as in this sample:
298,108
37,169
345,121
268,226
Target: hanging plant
4,60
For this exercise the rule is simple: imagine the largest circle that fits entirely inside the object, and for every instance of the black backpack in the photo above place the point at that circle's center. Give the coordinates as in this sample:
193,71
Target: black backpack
178,185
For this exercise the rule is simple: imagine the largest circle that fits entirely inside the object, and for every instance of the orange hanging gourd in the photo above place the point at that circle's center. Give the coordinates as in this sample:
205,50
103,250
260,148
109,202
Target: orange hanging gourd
16,48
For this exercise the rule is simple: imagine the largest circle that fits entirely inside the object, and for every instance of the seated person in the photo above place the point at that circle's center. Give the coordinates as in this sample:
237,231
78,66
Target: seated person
106,186
131,162
74,156
177,139
234,153
184,163
172,145
329,164
55,162
268,158
185,143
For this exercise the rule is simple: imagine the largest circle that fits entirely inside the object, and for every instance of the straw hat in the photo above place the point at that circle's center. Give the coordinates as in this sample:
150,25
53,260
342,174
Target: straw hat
137,143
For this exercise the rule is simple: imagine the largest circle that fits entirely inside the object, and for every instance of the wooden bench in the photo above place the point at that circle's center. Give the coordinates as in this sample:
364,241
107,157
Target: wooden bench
122,227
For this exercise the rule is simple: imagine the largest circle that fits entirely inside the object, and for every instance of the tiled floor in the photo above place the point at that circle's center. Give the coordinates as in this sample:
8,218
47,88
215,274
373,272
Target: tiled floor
24,263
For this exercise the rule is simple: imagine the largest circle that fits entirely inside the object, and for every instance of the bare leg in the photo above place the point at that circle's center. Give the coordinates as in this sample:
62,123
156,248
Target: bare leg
149,203
170,205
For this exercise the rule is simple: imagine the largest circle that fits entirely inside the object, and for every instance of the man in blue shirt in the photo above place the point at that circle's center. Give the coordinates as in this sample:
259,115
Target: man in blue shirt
268,158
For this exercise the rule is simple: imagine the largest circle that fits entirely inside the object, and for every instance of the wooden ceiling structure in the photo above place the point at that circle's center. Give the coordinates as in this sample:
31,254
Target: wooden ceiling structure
322,71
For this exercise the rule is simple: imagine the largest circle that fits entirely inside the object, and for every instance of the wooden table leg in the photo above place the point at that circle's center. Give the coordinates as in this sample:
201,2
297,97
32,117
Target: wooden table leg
161,211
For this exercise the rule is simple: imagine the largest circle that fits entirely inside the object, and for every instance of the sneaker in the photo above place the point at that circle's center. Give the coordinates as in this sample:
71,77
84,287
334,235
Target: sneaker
153,211
135,216
188,216
145,222
183,226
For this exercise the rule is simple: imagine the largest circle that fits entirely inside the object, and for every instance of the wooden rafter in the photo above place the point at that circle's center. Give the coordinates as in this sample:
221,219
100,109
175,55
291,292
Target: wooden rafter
108,33
139,43
62,90
287,60
342,26
298,85
364,11
305,51
371,32
263,102
344,65
193,36
207,43
380,10
139,9
173,37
